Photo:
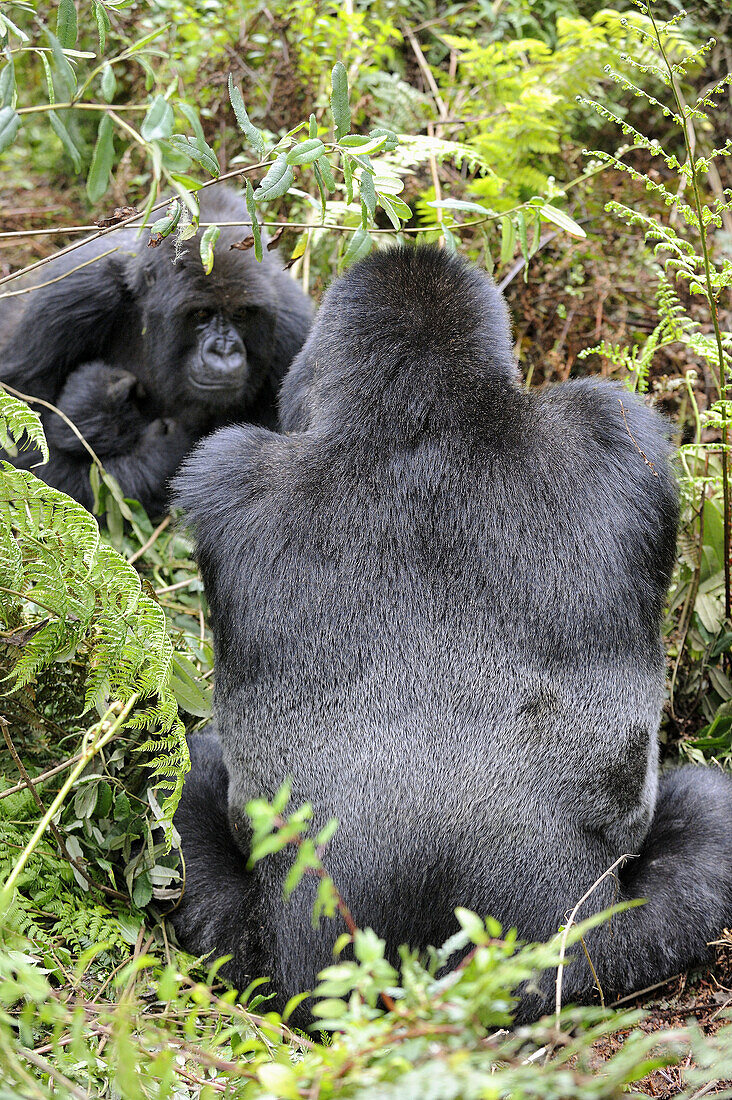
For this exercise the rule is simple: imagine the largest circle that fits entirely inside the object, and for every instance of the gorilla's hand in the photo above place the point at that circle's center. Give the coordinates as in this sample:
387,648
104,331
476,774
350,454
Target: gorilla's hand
105,404
168,437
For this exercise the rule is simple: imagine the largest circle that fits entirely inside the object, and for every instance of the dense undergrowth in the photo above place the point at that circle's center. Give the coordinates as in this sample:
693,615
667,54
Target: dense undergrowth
105,647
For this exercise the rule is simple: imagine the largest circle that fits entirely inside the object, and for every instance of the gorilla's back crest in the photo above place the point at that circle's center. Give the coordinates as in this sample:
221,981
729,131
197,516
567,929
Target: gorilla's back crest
406,335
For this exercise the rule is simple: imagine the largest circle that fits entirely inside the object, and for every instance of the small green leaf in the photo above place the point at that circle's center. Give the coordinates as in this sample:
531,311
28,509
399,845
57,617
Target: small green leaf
164,226
9,126
198,151
388,185
122,808
327,832
523,241
277,181
186,685
142,891
252,211
103,24
292,1005
339,105
104,798
65,138
159,120
460,204
192,115
327,174
330,1007
471,924
64,77
508,239
7,85
569,225
306,152
391,138
208,242
451,241
102,160
313,127
109,84
348,177
363,145
396,210
359,246
252,134
66,25
368,192
321,190
279,1080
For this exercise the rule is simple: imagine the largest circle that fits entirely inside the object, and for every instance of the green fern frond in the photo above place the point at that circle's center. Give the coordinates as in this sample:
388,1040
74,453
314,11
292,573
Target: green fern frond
17,421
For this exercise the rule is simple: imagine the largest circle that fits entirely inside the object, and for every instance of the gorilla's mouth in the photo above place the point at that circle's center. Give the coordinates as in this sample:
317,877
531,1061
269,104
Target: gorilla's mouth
222,384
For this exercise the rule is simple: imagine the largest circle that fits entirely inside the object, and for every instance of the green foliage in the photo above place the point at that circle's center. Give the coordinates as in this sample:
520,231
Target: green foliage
20,425
94,996
527,91
394,1032
699,626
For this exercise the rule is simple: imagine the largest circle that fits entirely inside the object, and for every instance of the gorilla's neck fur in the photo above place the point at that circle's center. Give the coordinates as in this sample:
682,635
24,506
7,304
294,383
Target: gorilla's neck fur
425,345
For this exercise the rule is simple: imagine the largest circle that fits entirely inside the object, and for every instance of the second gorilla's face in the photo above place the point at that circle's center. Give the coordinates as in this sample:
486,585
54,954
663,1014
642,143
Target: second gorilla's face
216,366
208,341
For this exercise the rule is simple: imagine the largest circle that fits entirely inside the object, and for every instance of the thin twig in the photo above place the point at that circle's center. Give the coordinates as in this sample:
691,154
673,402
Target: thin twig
642,453
126,221
58,278
146,545
52,1072
40,778
570,922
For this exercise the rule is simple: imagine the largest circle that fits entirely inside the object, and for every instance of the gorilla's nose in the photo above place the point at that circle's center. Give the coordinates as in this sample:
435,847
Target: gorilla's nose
223,356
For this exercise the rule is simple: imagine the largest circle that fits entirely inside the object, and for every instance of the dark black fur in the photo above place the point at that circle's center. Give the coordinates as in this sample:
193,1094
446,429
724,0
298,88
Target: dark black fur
437,607
205,350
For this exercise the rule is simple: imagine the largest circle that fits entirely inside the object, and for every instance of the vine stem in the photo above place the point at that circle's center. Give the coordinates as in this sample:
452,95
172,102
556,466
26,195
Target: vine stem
95,739
722,377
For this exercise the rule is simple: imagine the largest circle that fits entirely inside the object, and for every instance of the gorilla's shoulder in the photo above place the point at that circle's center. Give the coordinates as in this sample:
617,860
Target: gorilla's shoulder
612,417
228,477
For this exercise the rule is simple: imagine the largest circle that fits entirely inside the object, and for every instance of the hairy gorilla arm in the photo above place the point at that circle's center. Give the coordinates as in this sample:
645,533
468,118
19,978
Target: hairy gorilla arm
437,607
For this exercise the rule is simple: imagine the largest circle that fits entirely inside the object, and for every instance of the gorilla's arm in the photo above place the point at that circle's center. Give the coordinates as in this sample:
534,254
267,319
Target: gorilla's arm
64,323
294,396
216,487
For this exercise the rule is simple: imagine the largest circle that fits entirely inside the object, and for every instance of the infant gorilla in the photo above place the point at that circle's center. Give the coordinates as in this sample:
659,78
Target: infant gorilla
109,407
437,606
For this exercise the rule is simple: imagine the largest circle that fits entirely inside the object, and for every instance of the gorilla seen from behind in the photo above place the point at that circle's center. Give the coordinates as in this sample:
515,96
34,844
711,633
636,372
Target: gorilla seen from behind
436,605
145,355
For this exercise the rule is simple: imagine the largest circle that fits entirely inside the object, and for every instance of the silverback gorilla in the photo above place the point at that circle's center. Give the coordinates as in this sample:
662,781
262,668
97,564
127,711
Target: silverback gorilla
436,605
146,355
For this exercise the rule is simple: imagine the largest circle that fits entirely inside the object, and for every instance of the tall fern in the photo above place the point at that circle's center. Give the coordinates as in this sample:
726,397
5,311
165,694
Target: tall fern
65,592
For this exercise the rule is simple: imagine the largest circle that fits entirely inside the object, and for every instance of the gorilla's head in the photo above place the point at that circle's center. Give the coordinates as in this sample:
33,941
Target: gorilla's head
209,341
379,354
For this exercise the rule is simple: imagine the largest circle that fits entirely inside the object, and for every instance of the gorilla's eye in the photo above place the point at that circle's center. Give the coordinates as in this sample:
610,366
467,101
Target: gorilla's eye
201,316
242,318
